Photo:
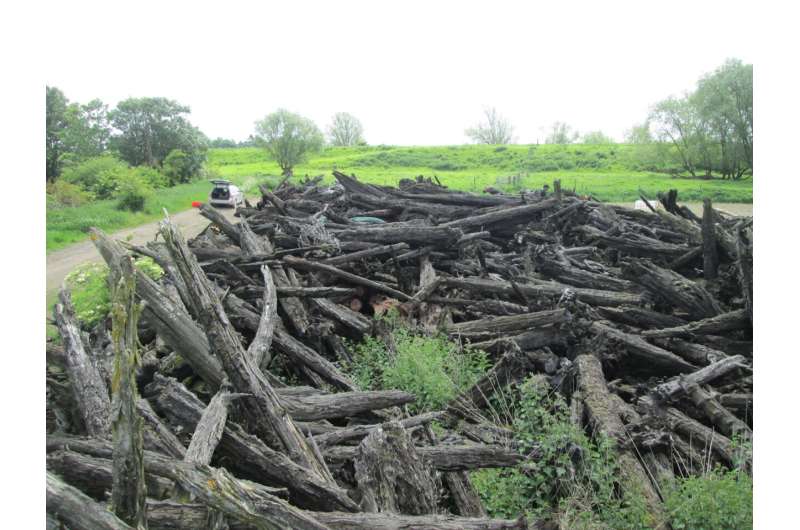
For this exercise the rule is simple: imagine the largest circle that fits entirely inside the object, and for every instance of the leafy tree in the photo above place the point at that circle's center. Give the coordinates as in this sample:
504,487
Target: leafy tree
98,176
596,137
149,128
561,133
495,130
345,130
289,138
56,121
639,134
178,167
87,130
222,142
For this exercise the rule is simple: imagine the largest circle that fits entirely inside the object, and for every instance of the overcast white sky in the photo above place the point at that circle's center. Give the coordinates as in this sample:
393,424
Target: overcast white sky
414,73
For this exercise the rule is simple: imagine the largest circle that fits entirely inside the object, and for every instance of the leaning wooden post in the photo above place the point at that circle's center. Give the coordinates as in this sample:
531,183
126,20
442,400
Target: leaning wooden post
710,256
128,490
557,189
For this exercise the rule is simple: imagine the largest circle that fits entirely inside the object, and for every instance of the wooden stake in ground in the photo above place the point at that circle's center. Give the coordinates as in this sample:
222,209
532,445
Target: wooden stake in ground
710,256
128,491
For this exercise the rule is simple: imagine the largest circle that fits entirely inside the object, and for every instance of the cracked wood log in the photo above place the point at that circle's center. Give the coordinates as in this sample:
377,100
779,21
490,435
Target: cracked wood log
301,263
673,288
292,306
710,255
605,420
744,263
259,347
697,354
77,510
507,216
445,457
726,422
730,321
633,244
565,272
173,323
262,407
344,404
208,431
228,228
358,323
169,515
740,404
246,454
94,476
530,340
412,235
640,317
91,393
343,259
157,436
703,436
250,292
360,431
391,476
128,490
637,346
678,385
511,323
551,290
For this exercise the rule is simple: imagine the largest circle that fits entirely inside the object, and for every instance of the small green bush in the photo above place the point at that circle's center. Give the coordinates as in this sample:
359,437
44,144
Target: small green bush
90,293
151,176
98,175
132,192
65,194
178,167
434,369
718,500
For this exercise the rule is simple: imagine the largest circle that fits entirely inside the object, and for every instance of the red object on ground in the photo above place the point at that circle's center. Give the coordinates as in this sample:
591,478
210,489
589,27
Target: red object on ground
196,204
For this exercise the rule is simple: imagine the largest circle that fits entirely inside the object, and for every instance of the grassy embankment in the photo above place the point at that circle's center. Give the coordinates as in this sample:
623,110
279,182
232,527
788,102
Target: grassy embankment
608,172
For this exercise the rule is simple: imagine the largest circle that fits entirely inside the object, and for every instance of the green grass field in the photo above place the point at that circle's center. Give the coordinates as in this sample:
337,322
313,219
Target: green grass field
608,172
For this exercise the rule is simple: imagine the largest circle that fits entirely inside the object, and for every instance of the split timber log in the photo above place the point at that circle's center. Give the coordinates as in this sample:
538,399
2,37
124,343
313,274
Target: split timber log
510,323
603,415
128,491
391,476
210,213
640,317
733,320
360,431
343,404
354,321
445,457
545,290
173,323
262,341
634,244
248,455
91,393
677,385
94,476
170,515
77,510
301,263
157,436
530,340
342,259
697,354
710,256
411,235
702,436
741,404
673,288
262,406
250,292
639,347
726,422
507,216
292,306
209,429
744,262
565,272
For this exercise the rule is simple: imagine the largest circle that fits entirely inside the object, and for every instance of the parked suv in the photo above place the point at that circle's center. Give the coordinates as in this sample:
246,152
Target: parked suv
225,194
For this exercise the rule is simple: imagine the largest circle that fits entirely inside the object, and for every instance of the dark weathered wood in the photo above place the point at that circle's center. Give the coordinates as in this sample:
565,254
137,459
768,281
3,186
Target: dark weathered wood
357,322
507,216
411,235
210,213
391,476
677,385
360,431
605,420
263,408
366,253
673,288
710,255
744,262
715,325
722,418
293,261
635,345
741,404
259,347
292,306
305,356
128,491
248,455
445,457
343,404
91,393
157,436
77,510
704,436
697,354
511,323
209,429
546,290
640,317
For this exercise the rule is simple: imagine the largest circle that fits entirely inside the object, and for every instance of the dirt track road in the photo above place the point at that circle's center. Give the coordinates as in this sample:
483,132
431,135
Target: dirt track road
61,262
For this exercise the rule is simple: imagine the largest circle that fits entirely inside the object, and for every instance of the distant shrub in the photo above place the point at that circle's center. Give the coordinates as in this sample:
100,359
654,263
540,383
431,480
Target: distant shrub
132,192
65,194
98,176
88,284
434,369
179,167
151,176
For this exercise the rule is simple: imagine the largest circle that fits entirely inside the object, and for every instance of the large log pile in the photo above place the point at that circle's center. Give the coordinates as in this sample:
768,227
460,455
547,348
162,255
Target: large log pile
641,319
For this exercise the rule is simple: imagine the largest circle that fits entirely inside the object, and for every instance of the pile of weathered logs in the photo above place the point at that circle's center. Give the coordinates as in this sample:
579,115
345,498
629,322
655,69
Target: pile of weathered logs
177,414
